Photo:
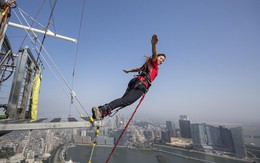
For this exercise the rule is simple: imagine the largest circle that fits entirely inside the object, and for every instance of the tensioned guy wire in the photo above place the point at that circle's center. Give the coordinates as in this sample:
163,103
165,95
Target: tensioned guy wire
51,62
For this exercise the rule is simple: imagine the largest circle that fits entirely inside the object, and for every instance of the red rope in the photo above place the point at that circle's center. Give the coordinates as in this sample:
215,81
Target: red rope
112,151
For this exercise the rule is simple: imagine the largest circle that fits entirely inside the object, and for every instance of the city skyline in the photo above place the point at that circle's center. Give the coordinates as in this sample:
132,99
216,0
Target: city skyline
211,72
218,139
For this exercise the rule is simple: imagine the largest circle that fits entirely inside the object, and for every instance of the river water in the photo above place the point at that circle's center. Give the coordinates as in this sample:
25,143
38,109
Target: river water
81,154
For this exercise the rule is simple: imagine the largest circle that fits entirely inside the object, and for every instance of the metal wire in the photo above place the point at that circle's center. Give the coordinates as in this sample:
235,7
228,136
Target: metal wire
46,52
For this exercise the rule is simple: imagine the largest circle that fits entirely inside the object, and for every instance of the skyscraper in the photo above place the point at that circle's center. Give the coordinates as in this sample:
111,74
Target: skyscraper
184,127
83,133
183,117
171,128
226,138
119,122
208,137
149,135
123,139
238,141
213,136
199,136
157,133
166,136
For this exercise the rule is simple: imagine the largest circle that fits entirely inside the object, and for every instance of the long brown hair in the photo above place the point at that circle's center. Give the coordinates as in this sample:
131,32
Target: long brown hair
147,58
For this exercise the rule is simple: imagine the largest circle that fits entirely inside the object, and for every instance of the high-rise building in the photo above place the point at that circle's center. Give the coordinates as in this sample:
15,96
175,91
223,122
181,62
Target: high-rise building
123,139
199,136
104,140
166,136
183,117
48,137
83,133
213,136
184,124
42,145
226,140
119,122
75,131
86,139
204,136
171,128
157,133
149,135
208,137
238,141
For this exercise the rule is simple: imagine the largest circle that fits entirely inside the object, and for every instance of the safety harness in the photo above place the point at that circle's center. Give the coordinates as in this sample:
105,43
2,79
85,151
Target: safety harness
145,73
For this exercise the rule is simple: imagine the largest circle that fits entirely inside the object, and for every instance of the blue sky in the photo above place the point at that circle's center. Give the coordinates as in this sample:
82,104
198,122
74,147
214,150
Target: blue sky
212,71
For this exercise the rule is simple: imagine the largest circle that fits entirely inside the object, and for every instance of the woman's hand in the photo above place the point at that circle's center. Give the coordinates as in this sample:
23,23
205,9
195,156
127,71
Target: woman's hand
154,51
154,39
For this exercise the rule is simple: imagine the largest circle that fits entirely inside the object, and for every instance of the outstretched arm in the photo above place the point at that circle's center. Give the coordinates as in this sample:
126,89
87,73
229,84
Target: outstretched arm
133,70
154,51
154,54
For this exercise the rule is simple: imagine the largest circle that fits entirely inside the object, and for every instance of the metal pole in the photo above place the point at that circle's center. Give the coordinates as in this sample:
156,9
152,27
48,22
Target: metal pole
48,33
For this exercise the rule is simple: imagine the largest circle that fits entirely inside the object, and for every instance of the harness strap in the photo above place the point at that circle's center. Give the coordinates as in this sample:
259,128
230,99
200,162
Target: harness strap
144,72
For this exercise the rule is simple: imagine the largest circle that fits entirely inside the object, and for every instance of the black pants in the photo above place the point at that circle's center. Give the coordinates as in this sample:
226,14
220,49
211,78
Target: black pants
134,91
